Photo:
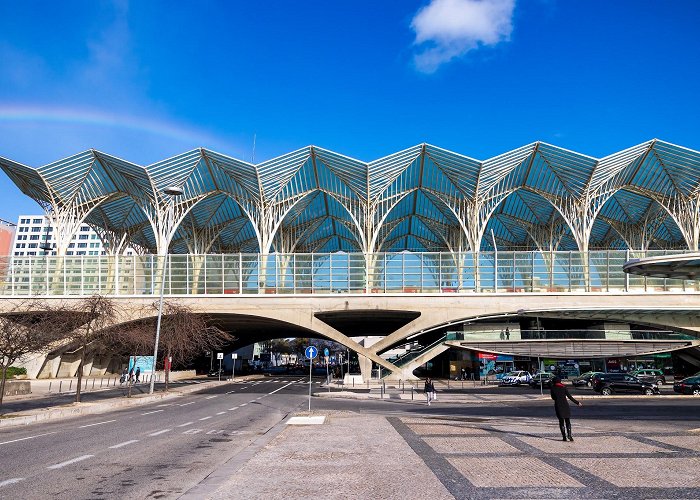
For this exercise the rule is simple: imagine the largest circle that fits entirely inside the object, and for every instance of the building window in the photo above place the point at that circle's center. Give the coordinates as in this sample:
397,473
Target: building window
82,245
69,253
83,236
36,230
33,245
93,236
31,253
72,245
79,253
24,221
38,221
34,237
23,229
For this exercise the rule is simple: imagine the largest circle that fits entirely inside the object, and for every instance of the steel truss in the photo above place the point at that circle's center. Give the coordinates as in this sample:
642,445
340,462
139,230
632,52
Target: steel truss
424,198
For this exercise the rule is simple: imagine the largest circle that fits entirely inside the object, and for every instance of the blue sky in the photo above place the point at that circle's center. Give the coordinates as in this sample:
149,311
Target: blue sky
147,80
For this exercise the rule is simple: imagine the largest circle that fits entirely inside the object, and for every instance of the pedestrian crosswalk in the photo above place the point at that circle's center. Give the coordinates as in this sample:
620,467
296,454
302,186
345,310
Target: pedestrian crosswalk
252,382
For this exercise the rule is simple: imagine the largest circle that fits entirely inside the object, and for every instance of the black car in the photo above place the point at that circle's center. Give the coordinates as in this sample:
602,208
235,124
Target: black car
648,375
583,380
611,383
546,380
690,385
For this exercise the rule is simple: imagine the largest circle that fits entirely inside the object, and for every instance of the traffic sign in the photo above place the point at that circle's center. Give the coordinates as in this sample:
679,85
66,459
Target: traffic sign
219,355
326,352
234,355
311,352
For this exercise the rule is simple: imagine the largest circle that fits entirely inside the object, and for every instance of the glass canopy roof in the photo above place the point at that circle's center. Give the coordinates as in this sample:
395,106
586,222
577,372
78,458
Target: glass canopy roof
424,198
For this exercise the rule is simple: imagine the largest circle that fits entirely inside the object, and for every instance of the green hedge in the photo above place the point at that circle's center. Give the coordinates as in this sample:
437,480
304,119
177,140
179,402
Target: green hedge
15,370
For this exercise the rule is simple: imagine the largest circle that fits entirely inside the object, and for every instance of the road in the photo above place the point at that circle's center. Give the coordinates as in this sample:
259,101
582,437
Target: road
163,449
154,451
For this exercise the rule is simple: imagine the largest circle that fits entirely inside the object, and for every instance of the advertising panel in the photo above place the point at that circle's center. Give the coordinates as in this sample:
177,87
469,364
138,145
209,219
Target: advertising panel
497,365
143,362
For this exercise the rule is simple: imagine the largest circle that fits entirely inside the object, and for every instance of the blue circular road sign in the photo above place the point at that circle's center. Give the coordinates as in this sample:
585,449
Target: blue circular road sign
311,352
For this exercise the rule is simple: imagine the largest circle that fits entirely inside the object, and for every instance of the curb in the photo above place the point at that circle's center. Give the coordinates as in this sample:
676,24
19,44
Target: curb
505,399
101,407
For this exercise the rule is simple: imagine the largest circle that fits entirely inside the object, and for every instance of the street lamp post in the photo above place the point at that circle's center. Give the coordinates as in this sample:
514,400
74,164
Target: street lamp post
171,191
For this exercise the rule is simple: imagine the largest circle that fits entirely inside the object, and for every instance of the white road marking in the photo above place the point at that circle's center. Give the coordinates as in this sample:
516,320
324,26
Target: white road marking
125,443
210,397
230,392
186,424
164,404
234,408
190,403
192,431
149,412
259,398
221,413
11,481
244,404
160,432
205,418
98,423
215,432
68,462
30,437
280,388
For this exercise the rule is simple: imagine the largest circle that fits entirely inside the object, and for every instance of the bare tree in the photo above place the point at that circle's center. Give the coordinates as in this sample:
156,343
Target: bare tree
92,318
30,326
184,335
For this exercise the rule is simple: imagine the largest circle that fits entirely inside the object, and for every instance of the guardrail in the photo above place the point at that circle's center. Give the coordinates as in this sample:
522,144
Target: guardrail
328,273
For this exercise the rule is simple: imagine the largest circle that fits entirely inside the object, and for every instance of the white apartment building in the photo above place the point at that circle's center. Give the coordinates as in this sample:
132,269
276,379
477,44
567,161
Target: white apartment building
34,236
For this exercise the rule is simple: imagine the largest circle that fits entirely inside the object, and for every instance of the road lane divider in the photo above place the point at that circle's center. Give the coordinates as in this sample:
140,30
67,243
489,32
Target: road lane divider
154,411
69,462
30,437
211,397
187,404
185,424
277,390
14,480
221,413
205,418
160,432
125,443
98,423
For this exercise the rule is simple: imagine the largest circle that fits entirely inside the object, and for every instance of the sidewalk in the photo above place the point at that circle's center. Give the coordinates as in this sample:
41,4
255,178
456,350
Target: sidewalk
415,457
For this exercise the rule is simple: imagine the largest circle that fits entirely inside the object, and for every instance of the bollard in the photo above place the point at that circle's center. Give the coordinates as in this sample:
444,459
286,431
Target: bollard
448,382
93,384
60,386
50,386
411,393
102,380
70,386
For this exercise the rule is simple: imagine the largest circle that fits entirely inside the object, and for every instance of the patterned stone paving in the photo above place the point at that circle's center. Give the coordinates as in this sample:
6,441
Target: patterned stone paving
511,472
645,472
469,445
526,458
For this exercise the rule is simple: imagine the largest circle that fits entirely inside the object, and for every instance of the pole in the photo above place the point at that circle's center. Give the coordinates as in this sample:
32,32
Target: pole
219,370
328,377
540,370
160,316
233,373
311,363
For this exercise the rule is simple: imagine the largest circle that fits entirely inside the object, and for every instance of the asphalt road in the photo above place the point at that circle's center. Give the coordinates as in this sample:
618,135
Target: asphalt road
163,449
154,451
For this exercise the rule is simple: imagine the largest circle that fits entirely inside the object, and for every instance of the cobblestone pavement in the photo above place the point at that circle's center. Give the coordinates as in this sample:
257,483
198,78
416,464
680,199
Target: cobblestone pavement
417,456
525,458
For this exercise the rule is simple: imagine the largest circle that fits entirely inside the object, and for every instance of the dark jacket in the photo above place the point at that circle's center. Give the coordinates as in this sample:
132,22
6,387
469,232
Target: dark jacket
429,387
559,394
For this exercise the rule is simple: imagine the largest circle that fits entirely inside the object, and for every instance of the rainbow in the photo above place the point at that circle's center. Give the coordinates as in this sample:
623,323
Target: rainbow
76,116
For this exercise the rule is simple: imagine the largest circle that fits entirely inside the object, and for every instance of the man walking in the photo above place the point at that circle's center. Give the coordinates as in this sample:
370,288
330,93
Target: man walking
560,394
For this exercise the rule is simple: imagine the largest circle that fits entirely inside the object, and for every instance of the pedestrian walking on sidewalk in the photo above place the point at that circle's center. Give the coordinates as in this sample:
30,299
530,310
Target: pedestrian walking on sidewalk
138,373
429,389
559,394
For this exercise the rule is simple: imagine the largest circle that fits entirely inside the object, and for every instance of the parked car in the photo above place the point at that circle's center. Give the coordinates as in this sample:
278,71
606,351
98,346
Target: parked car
648,375
541,379
583,380
516,378
690,385
610,383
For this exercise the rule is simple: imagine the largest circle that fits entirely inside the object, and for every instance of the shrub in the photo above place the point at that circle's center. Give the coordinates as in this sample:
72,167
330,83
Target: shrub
12,371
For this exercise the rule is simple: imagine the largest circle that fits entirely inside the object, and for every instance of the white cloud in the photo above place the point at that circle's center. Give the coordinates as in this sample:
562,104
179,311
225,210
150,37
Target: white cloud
447,29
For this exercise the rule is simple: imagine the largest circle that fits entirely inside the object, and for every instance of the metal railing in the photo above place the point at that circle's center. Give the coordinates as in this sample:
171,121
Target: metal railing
329,273
571,334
